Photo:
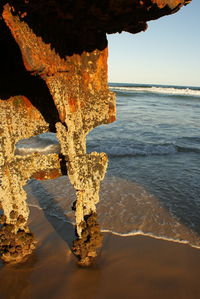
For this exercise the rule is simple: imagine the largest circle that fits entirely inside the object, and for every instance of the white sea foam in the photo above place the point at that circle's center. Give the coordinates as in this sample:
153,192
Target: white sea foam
140,150
141,233
125,209
44,144
134,149
162,90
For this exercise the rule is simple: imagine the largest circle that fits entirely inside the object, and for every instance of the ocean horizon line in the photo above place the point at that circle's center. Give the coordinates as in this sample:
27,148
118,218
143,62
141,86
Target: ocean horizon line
154,84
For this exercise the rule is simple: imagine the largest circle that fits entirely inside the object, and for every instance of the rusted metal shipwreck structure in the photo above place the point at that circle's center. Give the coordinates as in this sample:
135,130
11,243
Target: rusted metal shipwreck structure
54,78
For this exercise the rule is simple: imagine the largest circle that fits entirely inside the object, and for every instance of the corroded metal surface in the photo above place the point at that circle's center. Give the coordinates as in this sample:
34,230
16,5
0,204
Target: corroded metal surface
170,3
64,43
18,120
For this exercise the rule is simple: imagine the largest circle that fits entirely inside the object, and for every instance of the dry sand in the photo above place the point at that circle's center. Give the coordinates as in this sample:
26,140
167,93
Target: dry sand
137,267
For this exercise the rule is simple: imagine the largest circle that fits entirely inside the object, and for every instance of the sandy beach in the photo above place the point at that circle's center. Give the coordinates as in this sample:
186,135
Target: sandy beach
127,267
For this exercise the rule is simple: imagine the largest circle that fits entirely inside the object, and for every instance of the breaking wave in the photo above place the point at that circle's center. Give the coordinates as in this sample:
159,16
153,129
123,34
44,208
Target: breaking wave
146,150
160,90
46,144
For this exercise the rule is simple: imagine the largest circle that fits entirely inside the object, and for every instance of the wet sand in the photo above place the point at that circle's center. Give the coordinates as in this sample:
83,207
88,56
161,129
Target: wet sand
127,267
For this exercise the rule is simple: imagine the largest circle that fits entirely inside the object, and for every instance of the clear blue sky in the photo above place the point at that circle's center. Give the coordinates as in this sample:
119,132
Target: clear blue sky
168,52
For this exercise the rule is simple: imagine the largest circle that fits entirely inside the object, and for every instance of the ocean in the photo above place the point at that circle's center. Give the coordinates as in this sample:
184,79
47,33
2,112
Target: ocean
152,186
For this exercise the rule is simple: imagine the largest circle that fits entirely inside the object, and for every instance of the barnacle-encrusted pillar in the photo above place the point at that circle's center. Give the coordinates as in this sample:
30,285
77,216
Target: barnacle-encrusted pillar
84,102
18,120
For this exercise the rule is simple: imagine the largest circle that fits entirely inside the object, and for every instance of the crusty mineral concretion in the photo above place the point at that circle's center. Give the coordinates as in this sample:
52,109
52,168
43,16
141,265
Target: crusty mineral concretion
15,246
86,248
63,43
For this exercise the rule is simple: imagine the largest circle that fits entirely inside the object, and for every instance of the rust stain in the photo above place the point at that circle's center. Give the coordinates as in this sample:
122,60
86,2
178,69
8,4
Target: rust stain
46,175
27,102
86,79
22,103
72,104
37,56
170,3
112,113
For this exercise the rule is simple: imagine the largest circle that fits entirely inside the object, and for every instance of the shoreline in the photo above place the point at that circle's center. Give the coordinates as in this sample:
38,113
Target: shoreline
130,267
151,235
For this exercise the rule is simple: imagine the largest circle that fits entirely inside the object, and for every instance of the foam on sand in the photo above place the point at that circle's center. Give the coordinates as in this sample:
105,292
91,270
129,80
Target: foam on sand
125,208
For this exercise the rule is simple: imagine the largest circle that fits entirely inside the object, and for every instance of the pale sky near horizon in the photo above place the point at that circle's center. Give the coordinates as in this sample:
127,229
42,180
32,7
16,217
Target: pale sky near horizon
168,52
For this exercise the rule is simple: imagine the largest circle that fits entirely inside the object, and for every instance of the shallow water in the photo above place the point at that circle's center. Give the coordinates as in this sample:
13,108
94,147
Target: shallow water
153,182
125,208
155,142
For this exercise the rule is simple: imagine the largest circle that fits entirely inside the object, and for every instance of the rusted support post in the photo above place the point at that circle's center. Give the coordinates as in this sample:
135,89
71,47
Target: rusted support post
84,102
18,119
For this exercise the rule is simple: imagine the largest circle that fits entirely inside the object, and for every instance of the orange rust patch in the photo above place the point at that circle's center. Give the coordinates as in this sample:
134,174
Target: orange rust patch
171,3
27,102
86,78
47,175
72,104
22,103
112,118
112,113
32,46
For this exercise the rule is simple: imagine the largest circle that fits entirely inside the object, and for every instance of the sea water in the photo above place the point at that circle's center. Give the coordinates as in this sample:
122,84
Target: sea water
153,180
